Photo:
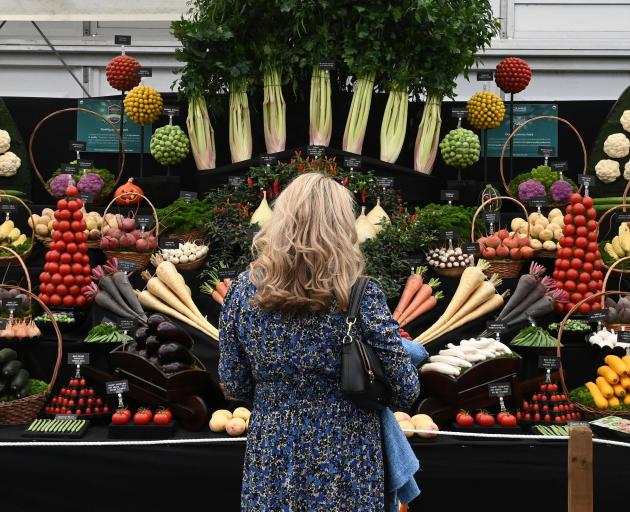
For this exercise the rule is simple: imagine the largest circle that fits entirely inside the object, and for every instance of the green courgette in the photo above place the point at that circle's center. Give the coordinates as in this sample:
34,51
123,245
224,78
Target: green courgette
20,380
25,390
4,386
10,369
6,355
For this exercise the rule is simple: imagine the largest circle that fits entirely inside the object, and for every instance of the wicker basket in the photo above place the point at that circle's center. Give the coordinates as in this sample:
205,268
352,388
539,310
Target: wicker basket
191,236
506,145
92,244
586,411
599,232
505,268
29,285
192,265
448,272
8,260
121,142
139,259
25,410
546,254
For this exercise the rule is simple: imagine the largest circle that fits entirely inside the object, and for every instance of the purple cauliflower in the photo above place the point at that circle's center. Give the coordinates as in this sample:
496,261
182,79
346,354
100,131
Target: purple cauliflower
90,183
530,189
60,183
561,190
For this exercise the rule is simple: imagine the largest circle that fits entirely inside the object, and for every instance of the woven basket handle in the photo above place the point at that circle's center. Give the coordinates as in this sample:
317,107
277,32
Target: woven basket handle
30,215
609,272
606,213
487,202
156,224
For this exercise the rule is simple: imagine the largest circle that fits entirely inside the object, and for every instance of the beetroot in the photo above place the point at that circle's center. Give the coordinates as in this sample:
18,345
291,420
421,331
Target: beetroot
114,233
153,243
127,240
137,233
128,224
142,245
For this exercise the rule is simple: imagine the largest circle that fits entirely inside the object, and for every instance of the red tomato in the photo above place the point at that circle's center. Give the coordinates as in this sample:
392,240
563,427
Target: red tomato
65,258
536,418
576,297
72,191
486,420
592,236
64,225
598,255
142,417
68,236
64,269
68,301
561,275
565,252
581,231
547,418
591,213
576,263
595,305
52,255
565,264
582,288
597,274
59,245
572,274
62,289
568,219
579,209
581,242
120,417
554,274
80,237
575,198
584,308
44,277
579,253
567,241
77,257
76,226
78,280
87,270
55,300
80,301
77,269
77,215
56,235
592,225
569,230
56,278
63,215
74,290
55,225
590,257
164,417
86,259
62,204
587,267
463,419
83,248
579,220
587,201
585,277
71,248
592,247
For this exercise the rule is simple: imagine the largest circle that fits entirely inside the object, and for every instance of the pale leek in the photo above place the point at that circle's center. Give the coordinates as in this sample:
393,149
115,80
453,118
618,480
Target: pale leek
320,129
394,125
200,133
428,136
240,125
274,112
354,133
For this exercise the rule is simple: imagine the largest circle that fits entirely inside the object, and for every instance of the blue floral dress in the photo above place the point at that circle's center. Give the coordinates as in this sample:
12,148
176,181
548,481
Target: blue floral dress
308,449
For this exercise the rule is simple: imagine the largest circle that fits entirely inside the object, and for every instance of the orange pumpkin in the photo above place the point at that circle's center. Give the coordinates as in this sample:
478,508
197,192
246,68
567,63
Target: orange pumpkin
131,189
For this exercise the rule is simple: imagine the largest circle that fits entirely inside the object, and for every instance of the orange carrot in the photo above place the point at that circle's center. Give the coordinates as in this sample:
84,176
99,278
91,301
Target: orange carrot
227,282
427,305
217,297
413,284
425,291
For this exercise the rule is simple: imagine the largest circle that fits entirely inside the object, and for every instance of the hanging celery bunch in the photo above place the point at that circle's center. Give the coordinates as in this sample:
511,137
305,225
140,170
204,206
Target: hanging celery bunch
456,31
274,112
200,133
240,124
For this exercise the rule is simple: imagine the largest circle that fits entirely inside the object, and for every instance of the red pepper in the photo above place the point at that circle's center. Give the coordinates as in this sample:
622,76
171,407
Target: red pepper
250,182
276,186
270,193
346,180
363,196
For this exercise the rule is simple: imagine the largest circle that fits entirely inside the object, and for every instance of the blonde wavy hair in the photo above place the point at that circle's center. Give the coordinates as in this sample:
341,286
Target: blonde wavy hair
308,252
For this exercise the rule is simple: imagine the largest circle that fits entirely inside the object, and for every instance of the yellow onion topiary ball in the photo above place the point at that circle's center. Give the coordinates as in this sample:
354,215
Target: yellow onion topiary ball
143,104
485,110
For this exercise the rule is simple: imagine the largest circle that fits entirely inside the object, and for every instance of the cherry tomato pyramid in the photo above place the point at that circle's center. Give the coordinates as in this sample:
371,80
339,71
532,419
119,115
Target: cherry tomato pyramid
79,398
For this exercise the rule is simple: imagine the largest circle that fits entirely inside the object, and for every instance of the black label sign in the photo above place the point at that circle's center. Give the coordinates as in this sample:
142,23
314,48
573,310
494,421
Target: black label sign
352,162
144,221
537,202
385,181
79,358
327,65
10,304
416,262
268,159
169,243
66,417
491,217
76,145
227,273
548,362
125,324
496,326
86,164
127,266
170,111
623,336
449,195
315,151
459,112
587,181
188,195
623,217
499,389
68,168
560,166
472,248
485,75
124,40
236,181
546,150
8,207
115,387
451,234
598,316
86,198
144,72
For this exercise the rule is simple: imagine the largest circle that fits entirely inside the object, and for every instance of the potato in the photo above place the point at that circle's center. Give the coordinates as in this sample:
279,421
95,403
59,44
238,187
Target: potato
41,230
406,424
556,212
48,212
218,423
545,234
421,419
33,220
430,426
91,224
402,416
557,221
535,230
235,427
222,412
542,221
557,234
241,412
549,246
94,234
535,244
516,223
535,217
522,229
44,219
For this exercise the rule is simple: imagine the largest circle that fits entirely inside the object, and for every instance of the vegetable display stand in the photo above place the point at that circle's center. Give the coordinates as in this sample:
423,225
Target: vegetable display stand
25,410
13,258
139,259
587,411
611,269
512,135
505,268
602,246
100,198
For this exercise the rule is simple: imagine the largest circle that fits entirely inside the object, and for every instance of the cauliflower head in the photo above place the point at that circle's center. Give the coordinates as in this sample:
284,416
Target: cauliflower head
617,145
60,183
626,170
5,141
561,190
9,164
90,183
530,189
607,170
625,120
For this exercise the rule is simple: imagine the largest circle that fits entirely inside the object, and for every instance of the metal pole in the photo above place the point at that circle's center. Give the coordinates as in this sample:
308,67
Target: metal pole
484,134
141,149
61,59
511,130
122,122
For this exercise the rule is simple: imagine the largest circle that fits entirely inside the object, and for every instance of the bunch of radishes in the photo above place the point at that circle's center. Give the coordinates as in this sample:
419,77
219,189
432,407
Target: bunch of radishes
502,245
128,236
67,269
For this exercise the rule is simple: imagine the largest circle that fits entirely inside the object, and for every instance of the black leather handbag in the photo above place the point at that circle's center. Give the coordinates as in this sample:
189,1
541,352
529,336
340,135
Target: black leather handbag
363,380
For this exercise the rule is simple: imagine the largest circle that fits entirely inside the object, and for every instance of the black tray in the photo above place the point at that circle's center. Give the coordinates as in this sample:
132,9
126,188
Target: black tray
495,429
150,431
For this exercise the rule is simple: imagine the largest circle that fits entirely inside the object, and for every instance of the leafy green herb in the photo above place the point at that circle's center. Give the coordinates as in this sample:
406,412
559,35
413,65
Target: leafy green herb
583,396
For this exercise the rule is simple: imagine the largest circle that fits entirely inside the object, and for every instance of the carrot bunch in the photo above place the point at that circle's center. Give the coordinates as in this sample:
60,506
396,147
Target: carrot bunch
216,288
417,297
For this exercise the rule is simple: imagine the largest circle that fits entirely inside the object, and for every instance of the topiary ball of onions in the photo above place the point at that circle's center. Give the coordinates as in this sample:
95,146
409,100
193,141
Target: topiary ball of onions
169,145
460,148
485,110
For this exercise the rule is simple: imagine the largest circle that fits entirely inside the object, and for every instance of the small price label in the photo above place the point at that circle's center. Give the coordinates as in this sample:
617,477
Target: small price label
598,316
498,389
227,273
127,266
578,423
327,65
486,75
187,195
76,358
114,387
124,40
85,165
385,182
144,72
416,262
68,169
537,202
86,198
459,112
623,217
169,243
268,159
548,362
451,234
315,151
10,304
472,248
126,324
352,162
449,195
144,221
623,336
546,150
171,111
8,207
587,181
560,166
76,145
66,417
491,217
496,326
236,181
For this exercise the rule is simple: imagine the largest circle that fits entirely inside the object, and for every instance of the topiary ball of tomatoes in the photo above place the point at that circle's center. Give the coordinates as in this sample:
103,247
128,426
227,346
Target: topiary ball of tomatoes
121,72
512,75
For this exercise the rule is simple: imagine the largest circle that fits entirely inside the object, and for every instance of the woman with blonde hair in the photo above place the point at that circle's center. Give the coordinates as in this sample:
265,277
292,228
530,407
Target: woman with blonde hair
281,328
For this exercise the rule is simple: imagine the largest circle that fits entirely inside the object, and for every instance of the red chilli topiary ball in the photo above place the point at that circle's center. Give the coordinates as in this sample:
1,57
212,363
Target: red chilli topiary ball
121,72
512,75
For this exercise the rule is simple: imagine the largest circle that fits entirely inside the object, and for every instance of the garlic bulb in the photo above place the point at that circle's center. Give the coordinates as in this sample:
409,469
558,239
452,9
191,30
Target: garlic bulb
378,217
365,229
262,214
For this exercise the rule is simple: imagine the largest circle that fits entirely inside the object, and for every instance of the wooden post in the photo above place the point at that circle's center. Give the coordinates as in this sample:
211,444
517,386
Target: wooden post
580,469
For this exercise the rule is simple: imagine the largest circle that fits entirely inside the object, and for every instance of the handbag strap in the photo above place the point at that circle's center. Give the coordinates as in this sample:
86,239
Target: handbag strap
356,297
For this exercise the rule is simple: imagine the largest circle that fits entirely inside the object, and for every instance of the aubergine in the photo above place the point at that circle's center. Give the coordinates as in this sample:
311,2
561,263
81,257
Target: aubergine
175,367
168,331
154,360
131,347
151,346
141,336
142,353
174,352
154,320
